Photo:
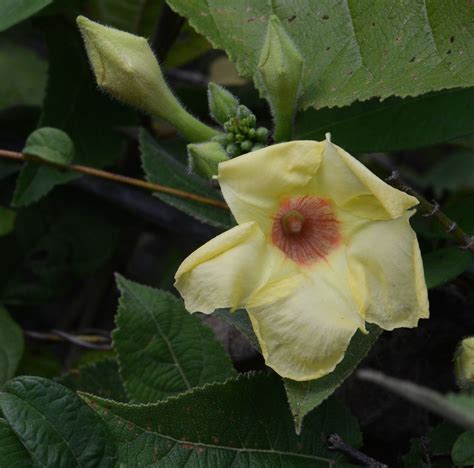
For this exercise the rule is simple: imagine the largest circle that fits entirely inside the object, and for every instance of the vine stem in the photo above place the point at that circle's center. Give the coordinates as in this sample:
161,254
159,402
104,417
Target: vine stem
121,179
464,240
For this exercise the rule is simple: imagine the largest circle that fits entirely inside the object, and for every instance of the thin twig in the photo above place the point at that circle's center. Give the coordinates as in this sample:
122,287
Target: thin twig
335,442
121,179
464,240
85,341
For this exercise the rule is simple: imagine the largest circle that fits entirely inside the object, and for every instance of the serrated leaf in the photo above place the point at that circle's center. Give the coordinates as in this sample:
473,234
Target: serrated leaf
162,349
73,104
162,168
354,50
443,265
14,11
463,449
55,425
11,346
50,144
101,378
242,422
12,452
394,124
23,76
305,396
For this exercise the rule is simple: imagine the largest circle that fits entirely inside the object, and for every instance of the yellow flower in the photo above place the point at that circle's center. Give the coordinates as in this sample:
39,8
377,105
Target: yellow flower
322,246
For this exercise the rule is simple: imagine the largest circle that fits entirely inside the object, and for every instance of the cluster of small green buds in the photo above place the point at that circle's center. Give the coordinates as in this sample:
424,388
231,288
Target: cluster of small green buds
464,364
204,158
241,133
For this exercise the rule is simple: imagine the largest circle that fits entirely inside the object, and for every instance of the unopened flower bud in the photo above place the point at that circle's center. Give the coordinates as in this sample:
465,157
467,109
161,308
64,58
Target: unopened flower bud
125,66
261,134
222,104
246,146
464,364
257,146
280,69
204,158
232,150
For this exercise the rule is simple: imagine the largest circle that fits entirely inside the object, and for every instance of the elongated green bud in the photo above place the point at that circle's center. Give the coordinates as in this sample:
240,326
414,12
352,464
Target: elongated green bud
280,69
204,158
222,104
464,364
125,66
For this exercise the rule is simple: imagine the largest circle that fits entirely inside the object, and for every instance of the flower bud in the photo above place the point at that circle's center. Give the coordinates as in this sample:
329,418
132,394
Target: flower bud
232,150
222,104
125,66
204,158
246,146
280,69
464,364
262,134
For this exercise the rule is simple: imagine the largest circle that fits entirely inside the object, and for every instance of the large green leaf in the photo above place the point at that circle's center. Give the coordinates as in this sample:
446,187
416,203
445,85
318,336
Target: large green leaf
54,243
242,422
12,452
73,104
14,11
354,49
11,346
162,168
305,396
101,378
443,265
135,16
55,425
463,449
162,349
23,77
395,124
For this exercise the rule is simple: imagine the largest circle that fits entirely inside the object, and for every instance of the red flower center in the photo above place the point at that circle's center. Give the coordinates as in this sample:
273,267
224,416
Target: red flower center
305,229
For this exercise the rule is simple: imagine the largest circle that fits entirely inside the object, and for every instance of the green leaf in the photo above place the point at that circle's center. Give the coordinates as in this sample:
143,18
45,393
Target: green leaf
240,320
101,378
161,168
50,249
11,346
394,124
138,17
305,396
463,449
7,221
439,440
14,11
24,76
445,264
75,105
50,144
242,422
12,452
354,50
55,425
454,172
162,349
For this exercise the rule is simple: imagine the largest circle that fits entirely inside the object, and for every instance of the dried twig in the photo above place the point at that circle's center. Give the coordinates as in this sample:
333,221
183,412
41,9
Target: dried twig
428,209
97,341
121,179
335,442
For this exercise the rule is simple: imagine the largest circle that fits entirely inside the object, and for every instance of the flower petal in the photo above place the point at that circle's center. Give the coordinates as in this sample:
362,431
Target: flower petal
305,334
230,268
385,261
254,184
352,186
